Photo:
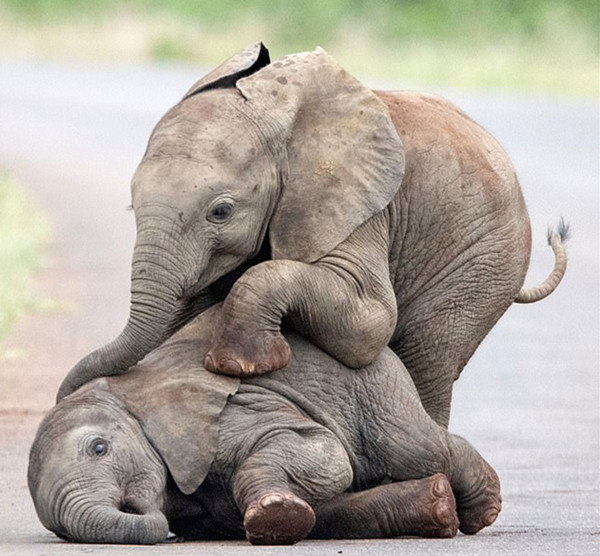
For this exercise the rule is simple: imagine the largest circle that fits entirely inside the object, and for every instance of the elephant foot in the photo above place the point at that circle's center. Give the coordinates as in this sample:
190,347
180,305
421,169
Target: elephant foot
440,509
278,518
242,355
481,510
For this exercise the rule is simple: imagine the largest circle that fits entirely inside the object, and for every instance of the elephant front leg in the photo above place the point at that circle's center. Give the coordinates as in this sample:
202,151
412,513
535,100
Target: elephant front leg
287,472
278,517
348,311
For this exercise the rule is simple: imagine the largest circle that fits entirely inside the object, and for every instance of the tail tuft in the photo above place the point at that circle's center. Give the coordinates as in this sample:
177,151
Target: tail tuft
563,229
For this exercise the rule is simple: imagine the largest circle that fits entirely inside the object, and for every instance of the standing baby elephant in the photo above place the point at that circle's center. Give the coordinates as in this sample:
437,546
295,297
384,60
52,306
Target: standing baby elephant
315,449
371,218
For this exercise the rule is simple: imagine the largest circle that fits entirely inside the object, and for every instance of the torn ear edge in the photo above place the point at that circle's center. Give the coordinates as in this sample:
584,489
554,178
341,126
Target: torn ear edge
243,64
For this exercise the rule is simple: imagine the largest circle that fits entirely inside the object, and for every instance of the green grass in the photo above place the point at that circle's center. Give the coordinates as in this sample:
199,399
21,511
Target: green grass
23,230
545,45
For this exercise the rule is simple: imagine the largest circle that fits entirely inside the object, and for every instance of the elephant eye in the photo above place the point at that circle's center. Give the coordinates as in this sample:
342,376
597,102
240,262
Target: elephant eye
98,447
220,212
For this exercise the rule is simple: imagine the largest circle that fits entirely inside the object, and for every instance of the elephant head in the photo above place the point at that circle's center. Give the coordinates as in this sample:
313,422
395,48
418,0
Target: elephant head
99,464
289,157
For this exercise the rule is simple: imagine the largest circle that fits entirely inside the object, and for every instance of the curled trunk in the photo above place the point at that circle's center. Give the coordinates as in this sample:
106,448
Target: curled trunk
130,524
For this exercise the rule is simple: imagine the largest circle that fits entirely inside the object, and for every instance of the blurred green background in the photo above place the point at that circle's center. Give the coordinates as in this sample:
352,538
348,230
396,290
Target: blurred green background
541,45
549,46
23,231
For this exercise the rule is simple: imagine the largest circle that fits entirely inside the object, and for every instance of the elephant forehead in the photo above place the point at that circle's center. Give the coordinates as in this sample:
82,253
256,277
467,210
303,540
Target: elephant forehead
80,417
199,130
166,174
98,408
180,182
204,146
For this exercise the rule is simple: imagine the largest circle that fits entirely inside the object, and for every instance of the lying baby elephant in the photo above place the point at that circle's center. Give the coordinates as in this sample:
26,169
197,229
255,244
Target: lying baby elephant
315,449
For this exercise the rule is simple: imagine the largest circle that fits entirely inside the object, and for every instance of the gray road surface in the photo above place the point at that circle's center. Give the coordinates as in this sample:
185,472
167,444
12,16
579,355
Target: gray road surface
528,400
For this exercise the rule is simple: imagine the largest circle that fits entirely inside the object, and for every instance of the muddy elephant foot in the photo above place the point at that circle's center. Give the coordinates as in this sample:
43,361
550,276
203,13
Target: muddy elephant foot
481,510
278,518
242,354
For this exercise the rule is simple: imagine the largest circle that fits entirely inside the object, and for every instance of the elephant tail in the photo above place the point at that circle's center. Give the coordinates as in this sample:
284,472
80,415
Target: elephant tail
556,240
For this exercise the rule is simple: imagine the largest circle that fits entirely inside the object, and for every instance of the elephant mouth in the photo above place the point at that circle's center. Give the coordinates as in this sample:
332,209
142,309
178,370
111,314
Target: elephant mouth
197,299
190,306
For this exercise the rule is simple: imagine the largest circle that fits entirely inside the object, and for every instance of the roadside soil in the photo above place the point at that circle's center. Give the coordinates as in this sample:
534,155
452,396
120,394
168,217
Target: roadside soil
88,302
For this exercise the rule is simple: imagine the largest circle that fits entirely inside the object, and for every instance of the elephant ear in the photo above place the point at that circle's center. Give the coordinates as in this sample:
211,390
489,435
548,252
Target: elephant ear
178,404
343,160
245,63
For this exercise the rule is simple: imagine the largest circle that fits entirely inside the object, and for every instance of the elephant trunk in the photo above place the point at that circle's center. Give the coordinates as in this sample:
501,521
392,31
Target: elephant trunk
159,281
135,522
114,358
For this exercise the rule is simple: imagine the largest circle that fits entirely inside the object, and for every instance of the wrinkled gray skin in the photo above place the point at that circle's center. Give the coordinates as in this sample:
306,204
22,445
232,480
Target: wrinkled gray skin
170,445
367,218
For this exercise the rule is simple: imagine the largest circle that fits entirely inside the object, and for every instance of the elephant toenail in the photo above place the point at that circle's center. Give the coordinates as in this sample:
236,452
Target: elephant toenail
262,368
271,499
209,364
439,485
231,366
438,513
490,516
251,512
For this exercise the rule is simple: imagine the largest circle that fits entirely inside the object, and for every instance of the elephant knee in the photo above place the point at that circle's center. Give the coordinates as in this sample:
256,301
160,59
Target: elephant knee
367,335
409,460
338,466
326,465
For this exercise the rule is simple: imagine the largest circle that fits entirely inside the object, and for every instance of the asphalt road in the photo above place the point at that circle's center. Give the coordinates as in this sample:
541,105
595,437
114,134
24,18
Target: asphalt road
528,400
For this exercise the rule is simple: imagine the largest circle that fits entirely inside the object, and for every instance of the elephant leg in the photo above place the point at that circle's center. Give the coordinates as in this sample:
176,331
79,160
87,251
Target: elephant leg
439,330
287,472
475,484
346,310
476,487
433,371
424,507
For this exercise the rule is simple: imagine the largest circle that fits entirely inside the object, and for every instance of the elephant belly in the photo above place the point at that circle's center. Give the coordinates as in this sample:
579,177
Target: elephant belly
209,514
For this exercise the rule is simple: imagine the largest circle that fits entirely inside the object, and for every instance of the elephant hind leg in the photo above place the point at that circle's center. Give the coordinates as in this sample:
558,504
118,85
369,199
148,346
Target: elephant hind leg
476,487
423,507
438,332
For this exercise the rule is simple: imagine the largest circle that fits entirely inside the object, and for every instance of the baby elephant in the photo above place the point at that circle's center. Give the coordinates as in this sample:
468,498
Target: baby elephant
315,449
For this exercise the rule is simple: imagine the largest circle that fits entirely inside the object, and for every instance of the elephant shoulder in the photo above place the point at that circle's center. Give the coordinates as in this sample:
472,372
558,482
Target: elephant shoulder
416,114
436,133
